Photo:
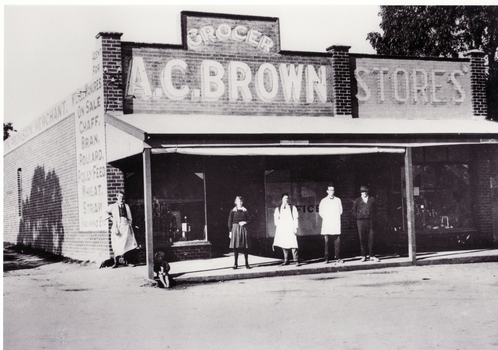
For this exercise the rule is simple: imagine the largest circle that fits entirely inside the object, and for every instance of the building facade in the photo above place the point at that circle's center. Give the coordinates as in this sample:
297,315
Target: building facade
183,129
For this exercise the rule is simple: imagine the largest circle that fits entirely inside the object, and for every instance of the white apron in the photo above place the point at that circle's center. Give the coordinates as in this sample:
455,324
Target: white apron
123,239
287,224
122,236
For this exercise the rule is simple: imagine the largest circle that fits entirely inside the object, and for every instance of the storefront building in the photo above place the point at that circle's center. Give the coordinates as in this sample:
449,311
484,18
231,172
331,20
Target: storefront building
183,129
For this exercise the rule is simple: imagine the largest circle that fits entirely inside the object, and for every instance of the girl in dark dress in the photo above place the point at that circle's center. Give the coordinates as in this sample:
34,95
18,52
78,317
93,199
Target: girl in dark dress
239,240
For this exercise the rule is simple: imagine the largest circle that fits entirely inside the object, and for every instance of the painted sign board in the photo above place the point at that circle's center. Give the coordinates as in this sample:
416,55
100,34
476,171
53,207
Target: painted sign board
229,65
232,81
231,33
91,151
411,88
46,120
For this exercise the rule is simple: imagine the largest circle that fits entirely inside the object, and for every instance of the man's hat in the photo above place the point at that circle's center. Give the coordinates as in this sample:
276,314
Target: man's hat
364,189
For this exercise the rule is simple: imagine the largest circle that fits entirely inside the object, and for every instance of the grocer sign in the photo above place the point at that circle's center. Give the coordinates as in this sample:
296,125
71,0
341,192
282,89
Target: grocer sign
412,88
234,80
206,35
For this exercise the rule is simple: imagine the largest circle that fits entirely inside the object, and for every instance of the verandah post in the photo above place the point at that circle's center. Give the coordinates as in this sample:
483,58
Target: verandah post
149,232
410,206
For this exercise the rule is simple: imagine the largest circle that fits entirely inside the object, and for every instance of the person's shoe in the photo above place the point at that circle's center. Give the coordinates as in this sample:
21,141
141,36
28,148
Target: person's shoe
363,259
285,263
327,261
234,267
374,258
131,265
339,261
248,267
298,264
164,284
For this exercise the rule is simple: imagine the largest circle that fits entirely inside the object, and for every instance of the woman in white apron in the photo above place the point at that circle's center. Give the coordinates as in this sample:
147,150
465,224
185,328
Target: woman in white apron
286,220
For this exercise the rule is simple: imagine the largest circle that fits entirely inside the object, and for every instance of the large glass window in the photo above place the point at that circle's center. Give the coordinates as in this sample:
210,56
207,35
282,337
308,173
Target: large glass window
441,187
178,198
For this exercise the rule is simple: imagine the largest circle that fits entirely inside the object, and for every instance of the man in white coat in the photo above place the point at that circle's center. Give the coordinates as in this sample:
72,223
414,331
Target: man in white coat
286,220
330,210
122,236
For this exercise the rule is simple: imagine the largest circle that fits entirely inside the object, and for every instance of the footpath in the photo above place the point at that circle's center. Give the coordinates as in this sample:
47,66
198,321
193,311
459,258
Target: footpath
220,269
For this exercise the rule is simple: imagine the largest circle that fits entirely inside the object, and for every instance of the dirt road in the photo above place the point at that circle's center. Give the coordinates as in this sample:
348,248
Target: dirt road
74,306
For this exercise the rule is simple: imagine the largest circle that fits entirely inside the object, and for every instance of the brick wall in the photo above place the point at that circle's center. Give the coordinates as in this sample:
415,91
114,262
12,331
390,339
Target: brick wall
155,58
482,205
390,87
267,26
115,183
49,196
111,57
197,250
341,80
478,83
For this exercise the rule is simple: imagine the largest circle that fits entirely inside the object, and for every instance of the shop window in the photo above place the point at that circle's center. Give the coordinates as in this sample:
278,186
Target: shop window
305,179
442,197
178,198
306,196
19,191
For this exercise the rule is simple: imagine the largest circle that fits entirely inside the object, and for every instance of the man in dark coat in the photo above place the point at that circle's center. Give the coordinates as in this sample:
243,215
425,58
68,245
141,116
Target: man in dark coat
364,209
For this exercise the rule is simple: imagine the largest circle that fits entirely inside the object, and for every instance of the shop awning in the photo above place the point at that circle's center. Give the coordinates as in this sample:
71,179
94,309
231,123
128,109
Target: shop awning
175,124
122,140
127,135
275,151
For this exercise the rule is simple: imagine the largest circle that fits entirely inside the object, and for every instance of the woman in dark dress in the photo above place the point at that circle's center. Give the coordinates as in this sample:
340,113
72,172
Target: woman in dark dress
239,240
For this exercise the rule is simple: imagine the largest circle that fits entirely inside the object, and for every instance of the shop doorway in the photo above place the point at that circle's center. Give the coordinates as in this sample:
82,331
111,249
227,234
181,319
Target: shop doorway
226,178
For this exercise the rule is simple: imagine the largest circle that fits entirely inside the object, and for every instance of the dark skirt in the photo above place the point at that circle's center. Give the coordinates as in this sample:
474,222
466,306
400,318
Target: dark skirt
240,239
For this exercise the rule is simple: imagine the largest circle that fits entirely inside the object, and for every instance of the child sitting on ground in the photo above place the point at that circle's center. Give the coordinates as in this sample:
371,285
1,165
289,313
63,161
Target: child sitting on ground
161,268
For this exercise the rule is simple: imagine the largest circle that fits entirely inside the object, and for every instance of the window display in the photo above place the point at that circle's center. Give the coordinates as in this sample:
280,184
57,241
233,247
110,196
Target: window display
442,194
178,198
443,200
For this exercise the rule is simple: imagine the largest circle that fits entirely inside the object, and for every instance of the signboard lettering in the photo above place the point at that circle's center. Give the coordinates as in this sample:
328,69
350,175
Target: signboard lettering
412,88
236,79
418,86
91,148
208,34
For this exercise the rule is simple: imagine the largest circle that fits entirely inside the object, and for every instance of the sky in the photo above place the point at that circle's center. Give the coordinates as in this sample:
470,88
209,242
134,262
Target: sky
47,48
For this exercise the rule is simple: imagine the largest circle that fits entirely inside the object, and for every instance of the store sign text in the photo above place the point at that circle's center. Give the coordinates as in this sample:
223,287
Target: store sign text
235,79
435,86
197,38
91,151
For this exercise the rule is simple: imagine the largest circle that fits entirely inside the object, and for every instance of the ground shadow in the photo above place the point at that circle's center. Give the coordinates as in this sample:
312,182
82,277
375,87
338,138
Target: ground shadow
21,257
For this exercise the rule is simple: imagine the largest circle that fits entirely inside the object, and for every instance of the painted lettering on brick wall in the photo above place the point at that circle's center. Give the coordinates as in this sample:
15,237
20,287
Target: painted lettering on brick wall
416,86
43,122
233,80
207,35
405,88
91,148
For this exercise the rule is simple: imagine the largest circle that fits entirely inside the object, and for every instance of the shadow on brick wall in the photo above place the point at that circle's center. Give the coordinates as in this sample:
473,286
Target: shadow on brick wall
41,225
